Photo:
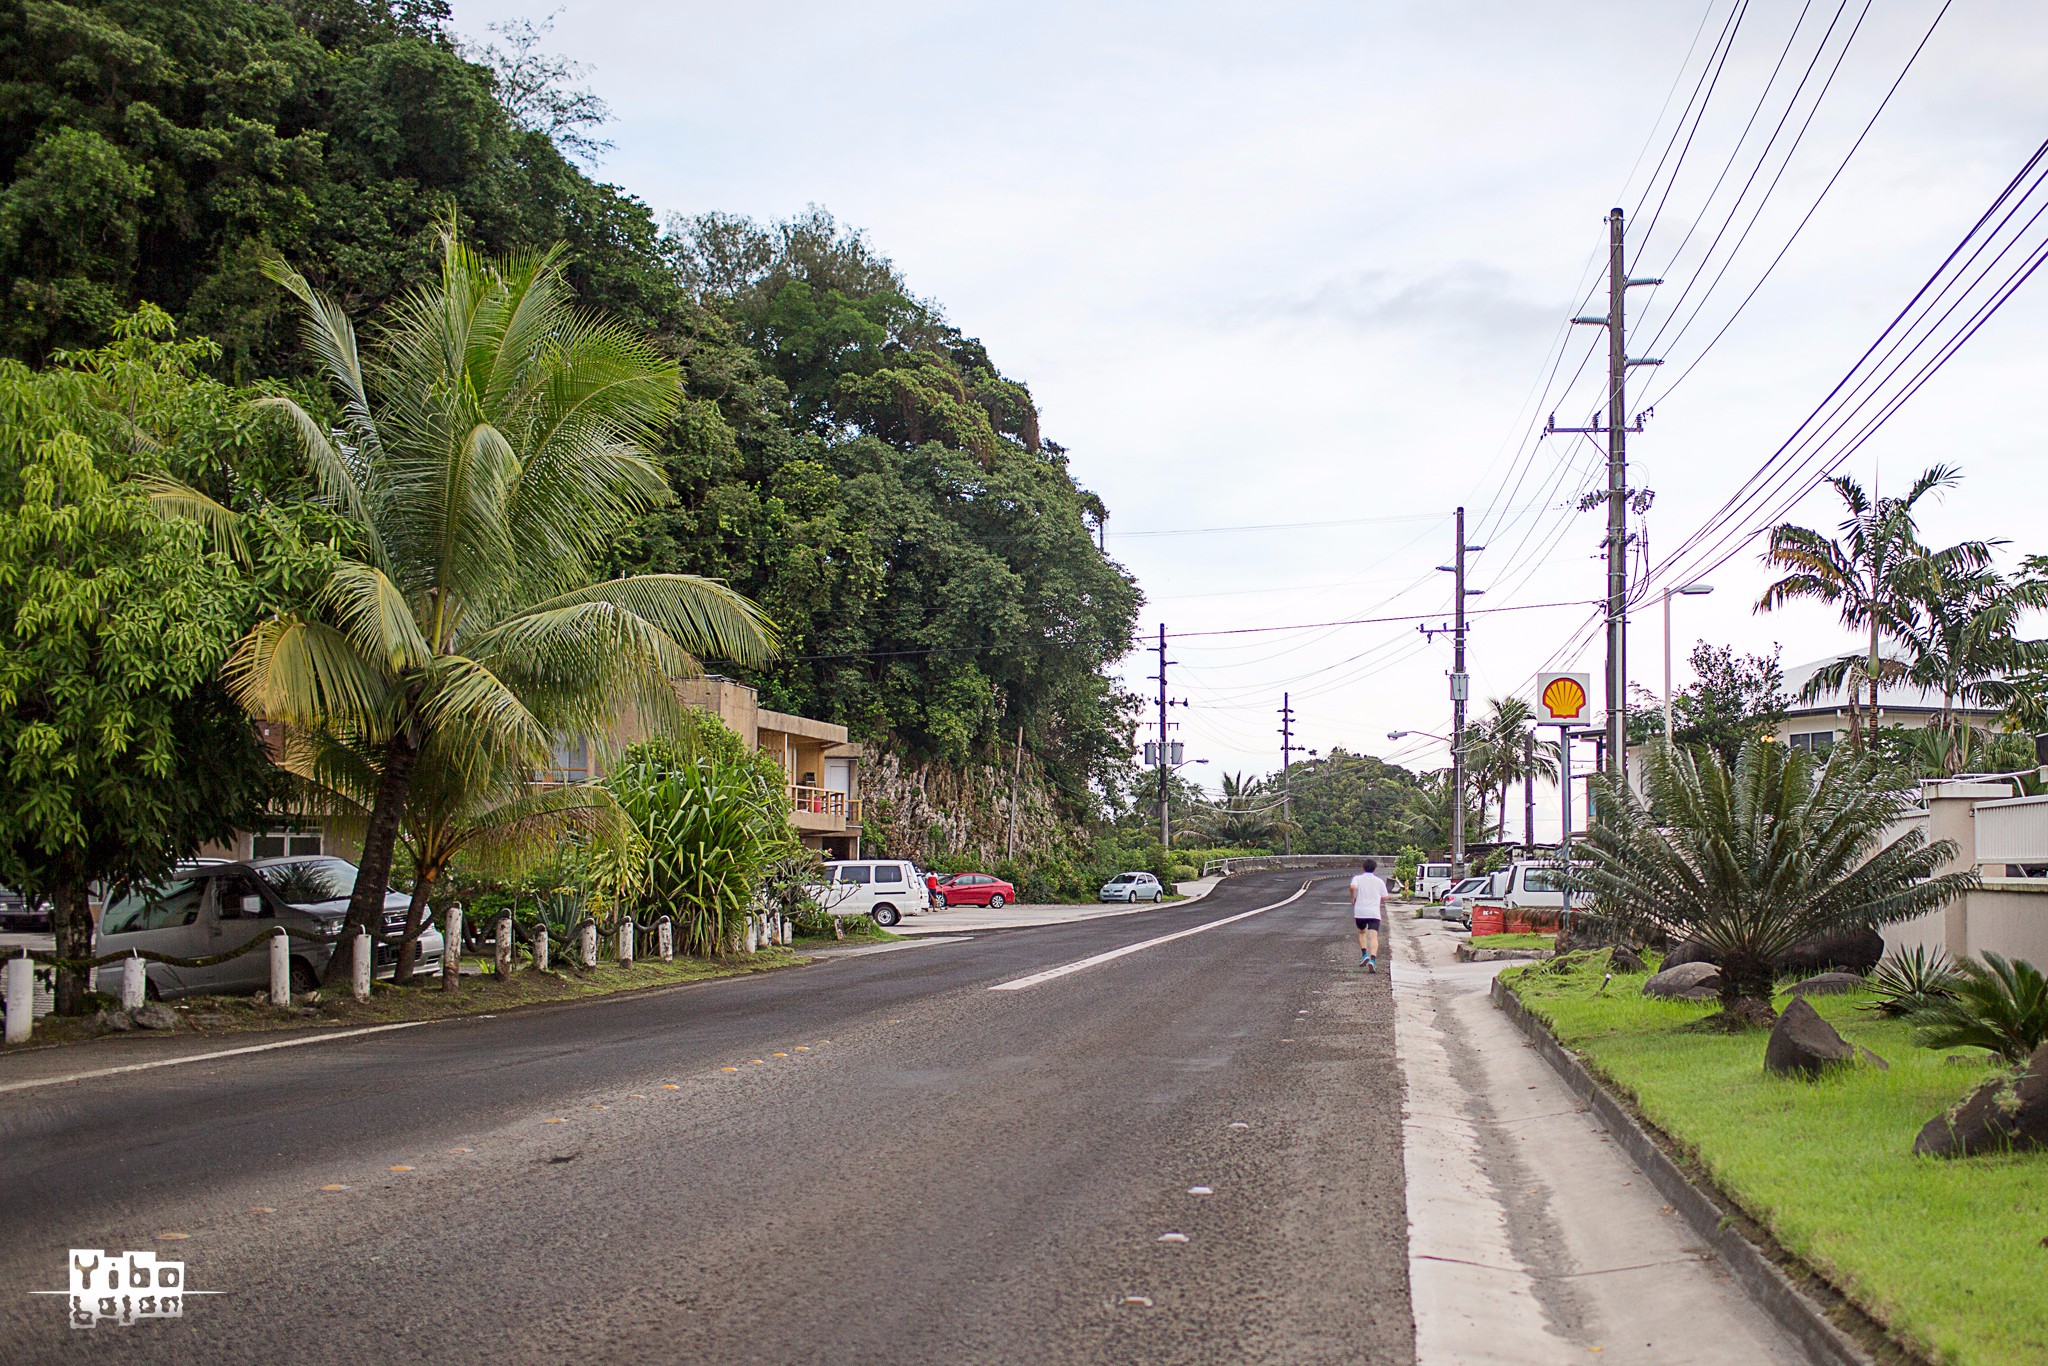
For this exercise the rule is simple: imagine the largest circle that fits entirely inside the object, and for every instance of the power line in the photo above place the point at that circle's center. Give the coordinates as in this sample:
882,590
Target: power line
1368,621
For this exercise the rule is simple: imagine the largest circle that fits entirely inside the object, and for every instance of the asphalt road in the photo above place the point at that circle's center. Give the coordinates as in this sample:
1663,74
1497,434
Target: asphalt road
917,1168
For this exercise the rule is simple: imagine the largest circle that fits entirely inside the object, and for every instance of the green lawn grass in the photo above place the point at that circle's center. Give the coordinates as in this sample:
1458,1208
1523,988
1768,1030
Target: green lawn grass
1513,941
1952,1256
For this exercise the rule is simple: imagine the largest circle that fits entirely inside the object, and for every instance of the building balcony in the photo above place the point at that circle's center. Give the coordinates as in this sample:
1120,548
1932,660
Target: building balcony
823,809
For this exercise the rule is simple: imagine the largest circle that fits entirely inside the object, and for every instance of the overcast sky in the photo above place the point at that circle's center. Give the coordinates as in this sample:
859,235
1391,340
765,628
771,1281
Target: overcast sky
1309,263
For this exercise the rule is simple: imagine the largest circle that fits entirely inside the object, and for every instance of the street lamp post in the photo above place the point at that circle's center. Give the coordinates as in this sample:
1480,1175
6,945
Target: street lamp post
1690,590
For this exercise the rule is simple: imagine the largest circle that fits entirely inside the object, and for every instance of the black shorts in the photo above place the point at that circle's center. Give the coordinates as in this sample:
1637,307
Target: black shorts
1371,924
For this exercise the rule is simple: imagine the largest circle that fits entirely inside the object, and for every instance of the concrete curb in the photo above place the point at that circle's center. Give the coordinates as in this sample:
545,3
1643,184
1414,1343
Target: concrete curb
1803,1318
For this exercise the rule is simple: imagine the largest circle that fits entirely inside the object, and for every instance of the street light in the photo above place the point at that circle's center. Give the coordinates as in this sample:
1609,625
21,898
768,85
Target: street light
1691,590
1403,734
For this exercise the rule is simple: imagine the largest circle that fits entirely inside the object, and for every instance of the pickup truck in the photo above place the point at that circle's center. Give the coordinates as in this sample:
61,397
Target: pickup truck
1524,885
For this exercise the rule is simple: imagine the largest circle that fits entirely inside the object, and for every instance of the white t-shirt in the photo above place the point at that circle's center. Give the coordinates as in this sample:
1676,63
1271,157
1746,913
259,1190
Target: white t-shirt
1367,891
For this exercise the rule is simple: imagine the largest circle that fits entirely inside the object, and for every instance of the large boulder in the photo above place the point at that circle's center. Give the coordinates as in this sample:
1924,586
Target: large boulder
1804,1045
1686,982
2008,1113
1827,984
1857,950
1687,951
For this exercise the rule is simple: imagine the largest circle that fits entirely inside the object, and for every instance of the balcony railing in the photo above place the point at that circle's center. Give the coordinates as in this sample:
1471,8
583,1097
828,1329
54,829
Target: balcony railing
824,801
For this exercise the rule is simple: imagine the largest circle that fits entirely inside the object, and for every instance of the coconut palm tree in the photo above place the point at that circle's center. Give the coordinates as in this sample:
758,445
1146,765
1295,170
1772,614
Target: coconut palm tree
1247,817
1963,641
1863,573
1497,755
1427,820
1752,859
489,449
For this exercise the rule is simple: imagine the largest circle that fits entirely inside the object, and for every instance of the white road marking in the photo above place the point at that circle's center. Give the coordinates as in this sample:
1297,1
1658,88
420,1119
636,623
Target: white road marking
1051,974
208,1057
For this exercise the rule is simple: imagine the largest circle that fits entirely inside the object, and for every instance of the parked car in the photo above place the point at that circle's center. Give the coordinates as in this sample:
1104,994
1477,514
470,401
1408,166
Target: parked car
16,912
1132,887
209,908
973,889
887,889
1433,880
1457,907
1526,885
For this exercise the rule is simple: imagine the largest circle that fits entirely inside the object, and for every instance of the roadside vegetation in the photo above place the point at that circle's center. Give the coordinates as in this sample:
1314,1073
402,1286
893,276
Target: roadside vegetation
1946,1254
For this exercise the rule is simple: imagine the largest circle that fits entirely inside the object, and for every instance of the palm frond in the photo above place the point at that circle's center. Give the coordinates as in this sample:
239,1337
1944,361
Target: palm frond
171,499
305,673
376,618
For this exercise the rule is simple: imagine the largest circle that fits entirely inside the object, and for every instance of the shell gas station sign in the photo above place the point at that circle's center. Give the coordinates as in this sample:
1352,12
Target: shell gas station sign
1562,699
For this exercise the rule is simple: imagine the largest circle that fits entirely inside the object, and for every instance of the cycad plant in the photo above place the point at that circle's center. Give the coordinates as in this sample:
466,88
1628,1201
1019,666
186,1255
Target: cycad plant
2000,1004
1752,859
489,449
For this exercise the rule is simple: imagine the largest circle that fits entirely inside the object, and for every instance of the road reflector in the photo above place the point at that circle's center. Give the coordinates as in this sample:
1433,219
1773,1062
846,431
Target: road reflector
1173,1237
336,1187
1201,1190
400,1168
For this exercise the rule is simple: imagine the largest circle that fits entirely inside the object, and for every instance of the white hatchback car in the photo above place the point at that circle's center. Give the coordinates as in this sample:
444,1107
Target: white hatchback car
887,889
1132,887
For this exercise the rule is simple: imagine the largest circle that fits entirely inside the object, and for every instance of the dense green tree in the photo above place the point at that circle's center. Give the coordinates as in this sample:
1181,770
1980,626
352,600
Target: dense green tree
1347,803
842,453
1732,698
122,754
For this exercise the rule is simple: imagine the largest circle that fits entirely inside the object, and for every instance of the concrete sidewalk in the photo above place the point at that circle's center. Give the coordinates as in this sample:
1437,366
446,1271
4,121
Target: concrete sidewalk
1531,1239
971,919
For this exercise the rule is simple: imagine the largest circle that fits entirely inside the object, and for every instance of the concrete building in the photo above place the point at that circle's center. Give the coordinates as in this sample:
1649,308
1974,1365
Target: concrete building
1818,724
818,761
821,766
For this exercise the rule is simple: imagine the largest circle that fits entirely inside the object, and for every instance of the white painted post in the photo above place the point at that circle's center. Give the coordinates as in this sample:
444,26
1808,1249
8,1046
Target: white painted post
280,968
753,939
364,955
665,938
589,944
502,959
540,949
20,992
628,931
134,983
451,950
788,932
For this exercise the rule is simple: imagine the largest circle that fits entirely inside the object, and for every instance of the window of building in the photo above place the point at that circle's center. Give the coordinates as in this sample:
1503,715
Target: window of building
1819,741
286,841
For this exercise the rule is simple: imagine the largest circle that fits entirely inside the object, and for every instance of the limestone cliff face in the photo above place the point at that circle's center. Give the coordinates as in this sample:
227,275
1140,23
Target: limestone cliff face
924,810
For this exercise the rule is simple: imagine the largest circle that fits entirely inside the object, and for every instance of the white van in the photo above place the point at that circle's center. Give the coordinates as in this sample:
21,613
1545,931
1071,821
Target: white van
887,889
1433,880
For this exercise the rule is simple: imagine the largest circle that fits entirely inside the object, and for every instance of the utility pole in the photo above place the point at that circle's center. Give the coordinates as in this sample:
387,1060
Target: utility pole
1461,689
1287,749
1528,794
1616,429
1165,753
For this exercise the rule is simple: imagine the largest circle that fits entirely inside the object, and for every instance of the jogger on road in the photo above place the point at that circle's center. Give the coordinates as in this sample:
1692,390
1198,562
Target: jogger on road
1368,890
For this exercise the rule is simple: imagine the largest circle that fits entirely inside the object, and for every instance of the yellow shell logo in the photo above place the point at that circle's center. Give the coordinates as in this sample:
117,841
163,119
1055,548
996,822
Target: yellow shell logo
1564,699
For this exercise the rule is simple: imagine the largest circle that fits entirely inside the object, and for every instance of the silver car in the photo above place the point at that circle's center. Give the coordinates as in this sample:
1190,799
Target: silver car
210,908
1132,887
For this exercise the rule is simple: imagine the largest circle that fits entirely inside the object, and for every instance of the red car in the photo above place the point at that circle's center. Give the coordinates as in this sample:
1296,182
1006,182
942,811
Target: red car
973,889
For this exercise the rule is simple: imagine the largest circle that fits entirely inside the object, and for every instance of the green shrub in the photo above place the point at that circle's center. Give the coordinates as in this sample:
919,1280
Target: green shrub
708,830
1912,979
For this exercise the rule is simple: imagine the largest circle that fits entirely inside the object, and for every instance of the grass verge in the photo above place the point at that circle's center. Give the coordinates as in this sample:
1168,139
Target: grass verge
1951,1256
388,1004
860,929
1514,941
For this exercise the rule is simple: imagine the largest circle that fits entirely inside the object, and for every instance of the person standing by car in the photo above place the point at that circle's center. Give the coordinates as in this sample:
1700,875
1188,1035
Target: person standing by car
1368,890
